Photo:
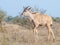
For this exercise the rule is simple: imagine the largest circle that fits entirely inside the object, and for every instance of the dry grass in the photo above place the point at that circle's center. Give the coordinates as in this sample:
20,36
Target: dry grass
17,35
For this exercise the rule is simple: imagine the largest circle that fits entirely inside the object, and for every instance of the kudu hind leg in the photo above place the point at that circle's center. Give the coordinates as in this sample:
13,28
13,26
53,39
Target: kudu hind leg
50,32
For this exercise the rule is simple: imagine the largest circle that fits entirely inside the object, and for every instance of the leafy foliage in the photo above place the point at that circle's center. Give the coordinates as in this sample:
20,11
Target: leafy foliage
2,15
57,19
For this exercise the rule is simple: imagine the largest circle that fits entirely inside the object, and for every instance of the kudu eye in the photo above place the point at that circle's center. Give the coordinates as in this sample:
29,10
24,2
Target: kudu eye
25,10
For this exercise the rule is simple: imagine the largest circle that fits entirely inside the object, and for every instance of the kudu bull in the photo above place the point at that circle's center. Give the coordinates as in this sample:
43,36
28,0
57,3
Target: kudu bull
39,19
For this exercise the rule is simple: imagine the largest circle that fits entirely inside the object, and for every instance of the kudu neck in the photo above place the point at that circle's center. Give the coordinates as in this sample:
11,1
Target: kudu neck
31,15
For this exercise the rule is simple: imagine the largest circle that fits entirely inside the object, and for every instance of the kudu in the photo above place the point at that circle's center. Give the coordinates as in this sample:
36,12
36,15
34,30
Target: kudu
38,19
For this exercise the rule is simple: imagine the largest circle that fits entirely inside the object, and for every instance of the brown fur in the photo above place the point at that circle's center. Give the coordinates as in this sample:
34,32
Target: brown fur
40,19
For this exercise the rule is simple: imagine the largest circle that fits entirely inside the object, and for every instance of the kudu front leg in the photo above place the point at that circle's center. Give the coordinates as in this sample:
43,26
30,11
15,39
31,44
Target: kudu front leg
35,29
35,34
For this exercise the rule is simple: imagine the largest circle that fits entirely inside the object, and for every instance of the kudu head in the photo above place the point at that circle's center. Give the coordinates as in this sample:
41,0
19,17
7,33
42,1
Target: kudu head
26,11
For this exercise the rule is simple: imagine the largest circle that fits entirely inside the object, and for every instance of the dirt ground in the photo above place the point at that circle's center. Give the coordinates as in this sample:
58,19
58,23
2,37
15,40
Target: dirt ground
18,35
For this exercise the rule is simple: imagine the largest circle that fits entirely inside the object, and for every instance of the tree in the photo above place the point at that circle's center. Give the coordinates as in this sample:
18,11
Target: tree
41,11
8,18
2,15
